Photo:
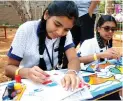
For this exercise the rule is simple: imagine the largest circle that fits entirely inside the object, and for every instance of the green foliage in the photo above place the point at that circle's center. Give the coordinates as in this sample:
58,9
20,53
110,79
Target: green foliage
19,24
5,24
102,7
118,1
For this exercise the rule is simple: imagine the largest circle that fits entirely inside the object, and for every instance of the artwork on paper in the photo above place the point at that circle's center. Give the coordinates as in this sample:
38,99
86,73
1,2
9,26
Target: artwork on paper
105,75
105,71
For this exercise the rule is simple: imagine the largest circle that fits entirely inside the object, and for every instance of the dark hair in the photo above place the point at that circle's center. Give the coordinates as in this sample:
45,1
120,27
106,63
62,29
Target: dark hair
56,8
105,18
63,8
100,22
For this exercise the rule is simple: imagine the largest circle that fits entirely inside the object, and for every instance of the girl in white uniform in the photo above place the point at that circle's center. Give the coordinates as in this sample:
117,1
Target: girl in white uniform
100,47
40,45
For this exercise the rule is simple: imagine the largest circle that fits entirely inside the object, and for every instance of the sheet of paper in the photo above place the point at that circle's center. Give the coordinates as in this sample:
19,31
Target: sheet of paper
2,89
82,95
53,91
57,93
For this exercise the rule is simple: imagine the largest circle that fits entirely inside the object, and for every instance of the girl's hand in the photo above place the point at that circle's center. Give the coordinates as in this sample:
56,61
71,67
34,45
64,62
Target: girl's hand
70,80
111,54
37,75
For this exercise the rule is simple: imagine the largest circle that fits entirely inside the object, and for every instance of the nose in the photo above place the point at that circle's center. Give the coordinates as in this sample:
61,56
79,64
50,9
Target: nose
60,32
111,31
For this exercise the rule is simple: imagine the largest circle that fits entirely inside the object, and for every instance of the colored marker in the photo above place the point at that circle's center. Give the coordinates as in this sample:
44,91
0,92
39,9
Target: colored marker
20,95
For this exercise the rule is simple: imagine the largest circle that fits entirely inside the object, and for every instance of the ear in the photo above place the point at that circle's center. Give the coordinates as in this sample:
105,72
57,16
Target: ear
98,29
46,15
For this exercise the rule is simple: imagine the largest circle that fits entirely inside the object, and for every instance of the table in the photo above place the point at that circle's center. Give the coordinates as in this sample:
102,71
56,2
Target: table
101,83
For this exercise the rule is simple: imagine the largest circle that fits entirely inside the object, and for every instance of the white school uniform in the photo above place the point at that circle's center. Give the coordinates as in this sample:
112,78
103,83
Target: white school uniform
89,47
25,46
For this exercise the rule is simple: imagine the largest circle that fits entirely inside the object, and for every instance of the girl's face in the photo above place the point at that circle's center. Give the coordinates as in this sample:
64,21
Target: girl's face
107,30
58,26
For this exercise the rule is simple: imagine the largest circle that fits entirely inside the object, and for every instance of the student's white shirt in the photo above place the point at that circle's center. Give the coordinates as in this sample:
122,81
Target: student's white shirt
25,46
89,47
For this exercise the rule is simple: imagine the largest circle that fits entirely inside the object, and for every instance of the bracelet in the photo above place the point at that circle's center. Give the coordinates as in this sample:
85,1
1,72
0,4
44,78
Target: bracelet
95,57
17,71
71,70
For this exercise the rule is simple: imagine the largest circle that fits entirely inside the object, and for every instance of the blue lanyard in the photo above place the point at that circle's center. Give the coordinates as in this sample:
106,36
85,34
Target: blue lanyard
51,59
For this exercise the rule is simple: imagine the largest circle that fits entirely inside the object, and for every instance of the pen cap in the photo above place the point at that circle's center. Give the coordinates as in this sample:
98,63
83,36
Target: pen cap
18,78
10,88
17,86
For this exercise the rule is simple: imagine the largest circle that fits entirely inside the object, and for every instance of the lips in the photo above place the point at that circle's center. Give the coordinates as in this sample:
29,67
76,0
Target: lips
109,37
54,35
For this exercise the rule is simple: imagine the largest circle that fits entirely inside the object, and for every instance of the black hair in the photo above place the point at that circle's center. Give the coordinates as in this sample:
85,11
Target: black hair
100,22
56,8
105,18
63,8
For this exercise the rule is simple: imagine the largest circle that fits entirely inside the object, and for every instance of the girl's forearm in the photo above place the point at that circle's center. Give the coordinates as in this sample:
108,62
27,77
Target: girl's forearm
74,64
11,69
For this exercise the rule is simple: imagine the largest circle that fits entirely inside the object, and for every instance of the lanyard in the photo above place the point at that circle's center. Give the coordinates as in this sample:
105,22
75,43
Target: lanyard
101,59
107,46
51,59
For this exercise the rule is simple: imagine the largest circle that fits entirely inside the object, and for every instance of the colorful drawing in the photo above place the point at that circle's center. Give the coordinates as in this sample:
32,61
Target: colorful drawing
52,84
95,80
117,70
120,68
117,61
101,66
90,69
96,67
106,72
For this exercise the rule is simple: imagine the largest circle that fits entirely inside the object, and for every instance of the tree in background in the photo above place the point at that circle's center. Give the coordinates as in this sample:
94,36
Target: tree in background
102,7
118,1
25,8
108,6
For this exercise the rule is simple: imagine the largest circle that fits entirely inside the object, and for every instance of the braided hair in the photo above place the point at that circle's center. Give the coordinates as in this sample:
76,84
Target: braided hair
101,21
55,8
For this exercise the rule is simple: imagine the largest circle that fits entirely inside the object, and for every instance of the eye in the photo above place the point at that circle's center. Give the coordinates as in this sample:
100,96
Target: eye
66,30
57,25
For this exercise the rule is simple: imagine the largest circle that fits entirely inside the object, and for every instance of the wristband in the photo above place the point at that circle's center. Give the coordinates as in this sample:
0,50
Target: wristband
71,70
17,71
17,76
95,57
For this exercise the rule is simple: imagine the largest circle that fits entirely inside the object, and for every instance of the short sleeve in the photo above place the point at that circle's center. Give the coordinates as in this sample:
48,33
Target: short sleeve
19,43
85,49
69,41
